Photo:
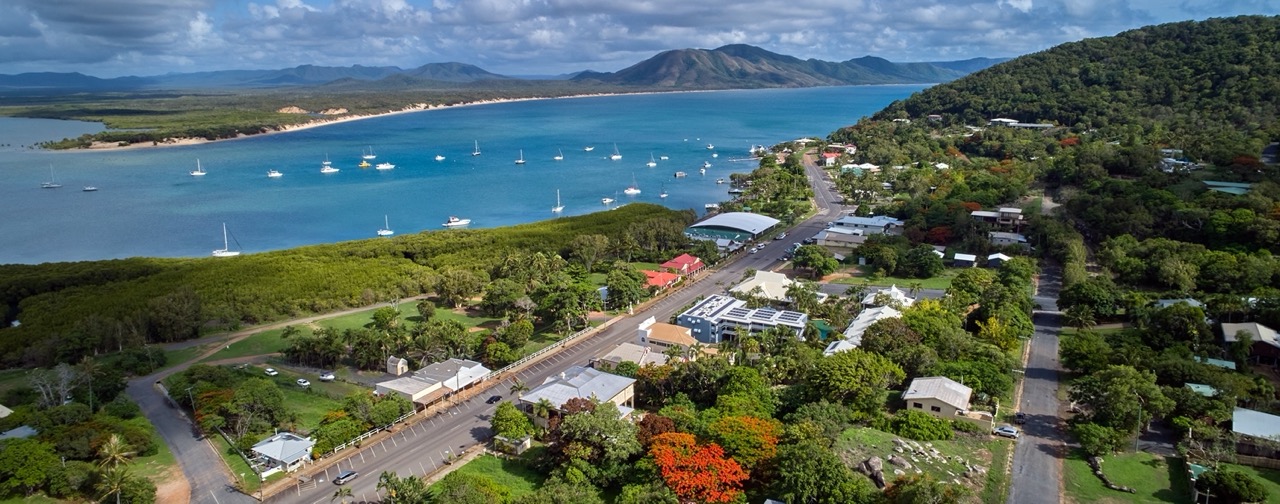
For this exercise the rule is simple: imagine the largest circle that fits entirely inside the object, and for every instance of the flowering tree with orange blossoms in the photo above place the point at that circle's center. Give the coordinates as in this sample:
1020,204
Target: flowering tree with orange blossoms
749,440
696,473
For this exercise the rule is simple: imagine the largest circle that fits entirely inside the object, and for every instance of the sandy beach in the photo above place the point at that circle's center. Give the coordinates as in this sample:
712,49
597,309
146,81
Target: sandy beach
316,123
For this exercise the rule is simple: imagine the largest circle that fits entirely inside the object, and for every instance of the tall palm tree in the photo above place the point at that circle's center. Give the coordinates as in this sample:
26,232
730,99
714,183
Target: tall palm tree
518,387
343,493
543,408
114,452
113,482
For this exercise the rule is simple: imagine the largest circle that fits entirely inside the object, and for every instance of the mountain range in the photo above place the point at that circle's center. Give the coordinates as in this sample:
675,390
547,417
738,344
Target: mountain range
731,66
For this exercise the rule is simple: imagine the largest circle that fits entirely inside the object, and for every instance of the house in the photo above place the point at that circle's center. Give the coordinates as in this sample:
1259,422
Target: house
397,366
436,381
584,383
284,451
772,286
1006,239
684,265
1265,346
1258,432
853,334
719,318
938,396
964,260
1233,188
662,336
660,280
997,259
1202,389
888,297
840,239
1224,364
1002,121
830,158
1161,304
877,224
630,352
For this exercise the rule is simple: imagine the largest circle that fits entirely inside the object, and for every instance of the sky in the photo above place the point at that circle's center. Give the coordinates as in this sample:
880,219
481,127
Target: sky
109,38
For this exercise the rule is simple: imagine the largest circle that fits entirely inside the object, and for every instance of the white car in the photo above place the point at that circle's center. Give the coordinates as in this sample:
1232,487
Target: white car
302,382
753,250
327,376
1006,431
272,372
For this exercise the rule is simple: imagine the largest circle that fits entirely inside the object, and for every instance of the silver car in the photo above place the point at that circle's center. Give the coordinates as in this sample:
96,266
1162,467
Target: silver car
1006,431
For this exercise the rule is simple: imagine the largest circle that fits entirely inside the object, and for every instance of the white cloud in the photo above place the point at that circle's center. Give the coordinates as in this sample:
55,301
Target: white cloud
546,36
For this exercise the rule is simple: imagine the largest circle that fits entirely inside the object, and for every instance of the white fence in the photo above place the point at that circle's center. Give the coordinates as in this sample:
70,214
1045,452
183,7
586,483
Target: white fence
371,432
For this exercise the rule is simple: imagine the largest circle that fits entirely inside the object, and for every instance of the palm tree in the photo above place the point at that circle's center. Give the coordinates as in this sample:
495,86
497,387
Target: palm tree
1080,317
518,387
543,408
114,452
343,493
113,482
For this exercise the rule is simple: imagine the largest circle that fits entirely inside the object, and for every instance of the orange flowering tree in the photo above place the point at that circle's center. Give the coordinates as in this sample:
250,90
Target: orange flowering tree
699,473
749,440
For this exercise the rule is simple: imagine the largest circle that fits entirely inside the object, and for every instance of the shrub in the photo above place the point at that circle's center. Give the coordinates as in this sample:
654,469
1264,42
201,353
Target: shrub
968,427
921,426
1096,439
1231,487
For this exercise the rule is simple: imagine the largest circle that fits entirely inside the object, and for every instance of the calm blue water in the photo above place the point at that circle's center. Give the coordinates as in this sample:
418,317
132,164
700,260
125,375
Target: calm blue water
148,205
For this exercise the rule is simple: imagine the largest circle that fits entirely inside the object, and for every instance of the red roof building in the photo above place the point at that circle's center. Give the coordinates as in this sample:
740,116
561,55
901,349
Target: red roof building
684,264
660,279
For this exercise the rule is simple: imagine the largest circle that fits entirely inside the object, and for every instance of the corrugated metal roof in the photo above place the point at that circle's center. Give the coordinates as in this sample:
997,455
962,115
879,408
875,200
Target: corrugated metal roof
941,388
1256,424
743,221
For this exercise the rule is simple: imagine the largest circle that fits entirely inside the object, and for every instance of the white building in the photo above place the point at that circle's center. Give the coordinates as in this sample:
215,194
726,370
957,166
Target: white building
436,381
878,224
853,334
584,383
284,451
773,286
719,318
886,297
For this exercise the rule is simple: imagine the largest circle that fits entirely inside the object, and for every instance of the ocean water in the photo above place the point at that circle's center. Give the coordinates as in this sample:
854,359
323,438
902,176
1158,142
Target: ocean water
148,205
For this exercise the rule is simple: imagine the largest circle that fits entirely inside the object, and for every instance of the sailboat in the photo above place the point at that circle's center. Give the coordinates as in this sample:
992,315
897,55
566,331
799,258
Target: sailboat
52,183
558,208
476,152
663,194
225,251
386,227
327,166
369,154
633,189
616,155
559,155
652,163
521,159
199,172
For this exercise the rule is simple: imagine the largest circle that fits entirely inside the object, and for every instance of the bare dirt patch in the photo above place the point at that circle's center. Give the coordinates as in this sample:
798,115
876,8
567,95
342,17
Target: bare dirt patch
173,489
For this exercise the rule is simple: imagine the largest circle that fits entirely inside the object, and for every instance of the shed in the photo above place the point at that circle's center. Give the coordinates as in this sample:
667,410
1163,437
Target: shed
964,260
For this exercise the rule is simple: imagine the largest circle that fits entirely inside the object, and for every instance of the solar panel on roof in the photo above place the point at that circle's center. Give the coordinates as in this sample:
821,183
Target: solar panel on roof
790,316
739,312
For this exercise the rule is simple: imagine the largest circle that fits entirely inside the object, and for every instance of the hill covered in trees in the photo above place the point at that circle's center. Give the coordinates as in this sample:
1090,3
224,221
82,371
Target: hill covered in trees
1211,87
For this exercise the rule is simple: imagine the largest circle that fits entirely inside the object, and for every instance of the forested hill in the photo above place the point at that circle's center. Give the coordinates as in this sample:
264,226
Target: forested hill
1206,82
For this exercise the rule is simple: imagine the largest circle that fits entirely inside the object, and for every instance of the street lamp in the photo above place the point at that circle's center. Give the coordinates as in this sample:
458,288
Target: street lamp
1139,434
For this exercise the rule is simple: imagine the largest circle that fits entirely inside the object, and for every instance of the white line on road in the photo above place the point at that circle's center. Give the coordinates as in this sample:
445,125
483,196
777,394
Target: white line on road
215,497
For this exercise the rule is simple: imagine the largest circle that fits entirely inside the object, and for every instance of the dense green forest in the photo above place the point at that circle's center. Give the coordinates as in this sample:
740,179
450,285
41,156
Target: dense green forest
1210,88
68,310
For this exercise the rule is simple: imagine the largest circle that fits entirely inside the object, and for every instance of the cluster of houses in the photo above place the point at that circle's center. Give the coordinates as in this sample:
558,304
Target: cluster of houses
844,235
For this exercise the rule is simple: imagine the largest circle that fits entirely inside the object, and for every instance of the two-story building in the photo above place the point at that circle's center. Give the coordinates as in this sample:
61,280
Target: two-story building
724,318
876,224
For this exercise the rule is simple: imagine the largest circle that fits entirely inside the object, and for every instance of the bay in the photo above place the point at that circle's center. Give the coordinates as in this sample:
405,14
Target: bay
148,205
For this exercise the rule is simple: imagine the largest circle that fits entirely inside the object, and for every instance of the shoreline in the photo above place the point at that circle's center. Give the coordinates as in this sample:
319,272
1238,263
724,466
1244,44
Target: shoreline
316,123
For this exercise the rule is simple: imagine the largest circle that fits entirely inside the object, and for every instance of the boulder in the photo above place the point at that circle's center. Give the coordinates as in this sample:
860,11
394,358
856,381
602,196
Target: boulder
900,462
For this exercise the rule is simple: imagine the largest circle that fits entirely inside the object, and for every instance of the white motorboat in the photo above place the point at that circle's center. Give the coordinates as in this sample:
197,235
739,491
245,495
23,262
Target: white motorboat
327,167
385,166
616,155
476,152
520,160
274,174
456,222
369,154
559,207
589,148
632,189
53,181
663,194
681,174
702,171
719,181
706,164
710,147
715,154
559,155
606,200
664,158
439,157
711,206
90,188
225,251
386,227
651,162
198,172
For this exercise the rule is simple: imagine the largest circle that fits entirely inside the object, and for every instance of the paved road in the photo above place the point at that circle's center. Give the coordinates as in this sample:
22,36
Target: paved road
1037,459
422,448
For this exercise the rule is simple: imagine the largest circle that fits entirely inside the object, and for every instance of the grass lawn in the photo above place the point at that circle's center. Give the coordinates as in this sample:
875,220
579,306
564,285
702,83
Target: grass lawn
1156,479
862,442
310,403
513,474
12,379
237,463
997,485
1270,478
940,282
155,467
175,357
266,342
35,499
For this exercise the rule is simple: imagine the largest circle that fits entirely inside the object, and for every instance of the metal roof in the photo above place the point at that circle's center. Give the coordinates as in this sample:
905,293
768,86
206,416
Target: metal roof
1256,424
941,388
743,221
286,447
581,382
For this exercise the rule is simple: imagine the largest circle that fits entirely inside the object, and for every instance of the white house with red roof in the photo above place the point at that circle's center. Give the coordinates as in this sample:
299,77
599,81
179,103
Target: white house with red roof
684,264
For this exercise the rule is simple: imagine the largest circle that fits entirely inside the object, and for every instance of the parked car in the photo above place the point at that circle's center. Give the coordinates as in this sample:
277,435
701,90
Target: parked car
302,382
1019,418
327,376
753,250
271,372
1006,431
781,236
493,399
344,477
810,240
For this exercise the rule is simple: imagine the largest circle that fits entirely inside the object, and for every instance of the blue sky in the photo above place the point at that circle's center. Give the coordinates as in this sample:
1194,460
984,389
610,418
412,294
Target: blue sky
522,37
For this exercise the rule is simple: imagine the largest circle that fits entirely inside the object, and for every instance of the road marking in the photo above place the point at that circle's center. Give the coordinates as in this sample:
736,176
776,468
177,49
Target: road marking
215,497
361,457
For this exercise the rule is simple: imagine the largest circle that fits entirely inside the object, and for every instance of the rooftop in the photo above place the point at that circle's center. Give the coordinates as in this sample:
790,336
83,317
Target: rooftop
1256,424
941,388
286,447
742,221
1004,235
893,292
1202,389
1257,332
772,285
965,257
853,333
578,382
667,334
1225,364
631,352
453,373
873,221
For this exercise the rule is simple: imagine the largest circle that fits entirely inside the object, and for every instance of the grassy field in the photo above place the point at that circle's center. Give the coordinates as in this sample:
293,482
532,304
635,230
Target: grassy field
940,282
12,379
513,474
266,342
155,467
861,442
237,463
1156,479
175,357
310,403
